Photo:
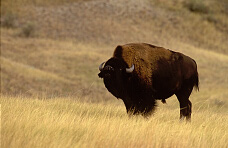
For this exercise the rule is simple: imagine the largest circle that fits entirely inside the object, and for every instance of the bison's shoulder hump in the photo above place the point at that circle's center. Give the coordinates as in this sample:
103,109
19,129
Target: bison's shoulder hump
118,51
136,51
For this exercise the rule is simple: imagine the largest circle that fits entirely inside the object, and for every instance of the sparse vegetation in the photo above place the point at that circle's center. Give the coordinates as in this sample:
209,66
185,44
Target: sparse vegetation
197,6
28,30
8,21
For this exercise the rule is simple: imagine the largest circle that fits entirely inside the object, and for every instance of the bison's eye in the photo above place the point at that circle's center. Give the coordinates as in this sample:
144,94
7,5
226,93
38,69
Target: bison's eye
108,68
108,71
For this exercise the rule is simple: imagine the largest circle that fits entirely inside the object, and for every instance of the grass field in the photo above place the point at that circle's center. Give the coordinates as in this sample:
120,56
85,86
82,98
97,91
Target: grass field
63,122
51,95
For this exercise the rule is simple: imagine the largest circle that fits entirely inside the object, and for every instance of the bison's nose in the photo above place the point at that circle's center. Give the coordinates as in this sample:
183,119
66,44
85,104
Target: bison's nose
107,75
101,75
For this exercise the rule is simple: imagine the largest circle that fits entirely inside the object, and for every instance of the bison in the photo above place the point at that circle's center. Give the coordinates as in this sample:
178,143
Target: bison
140,74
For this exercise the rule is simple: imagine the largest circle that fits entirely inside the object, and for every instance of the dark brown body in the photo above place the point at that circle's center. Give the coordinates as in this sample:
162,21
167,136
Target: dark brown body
158,74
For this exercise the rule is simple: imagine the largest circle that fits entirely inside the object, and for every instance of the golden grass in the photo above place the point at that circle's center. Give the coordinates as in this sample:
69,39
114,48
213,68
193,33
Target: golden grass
29,71
62,122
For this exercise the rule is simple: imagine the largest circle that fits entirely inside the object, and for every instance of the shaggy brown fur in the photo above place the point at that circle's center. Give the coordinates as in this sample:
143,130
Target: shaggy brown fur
143,56
158,74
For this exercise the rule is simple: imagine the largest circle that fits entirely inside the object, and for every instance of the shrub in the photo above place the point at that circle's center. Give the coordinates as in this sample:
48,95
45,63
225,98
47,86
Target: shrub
197,6
212,19
8,20
28,30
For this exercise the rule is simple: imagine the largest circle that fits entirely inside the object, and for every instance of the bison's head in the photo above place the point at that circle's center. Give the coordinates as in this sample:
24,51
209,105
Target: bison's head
115,74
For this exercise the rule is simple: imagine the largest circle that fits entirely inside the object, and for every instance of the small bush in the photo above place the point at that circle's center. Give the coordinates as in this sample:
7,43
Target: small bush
197,6
8,20
212,19
28,30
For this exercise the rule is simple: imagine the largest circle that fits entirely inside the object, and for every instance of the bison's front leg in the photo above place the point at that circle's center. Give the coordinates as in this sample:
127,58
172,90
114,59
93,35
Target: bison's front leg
129,107
133,109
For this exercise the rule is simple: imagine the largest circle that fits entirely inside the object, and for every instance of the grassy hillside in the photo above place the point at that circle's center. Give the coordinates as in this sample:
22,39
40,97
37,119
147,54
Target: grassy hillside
47,68
50,68
67,123
199,23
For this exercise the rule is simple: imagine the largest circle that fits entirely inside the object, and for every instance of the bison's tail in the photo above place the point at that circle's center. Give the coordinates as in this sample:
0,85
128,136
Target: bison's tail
196,81
195,78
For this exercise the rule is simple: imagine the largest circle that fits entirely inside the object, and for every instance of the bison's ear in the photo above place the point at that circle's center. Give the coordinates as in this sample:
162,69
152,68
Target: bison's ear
101,75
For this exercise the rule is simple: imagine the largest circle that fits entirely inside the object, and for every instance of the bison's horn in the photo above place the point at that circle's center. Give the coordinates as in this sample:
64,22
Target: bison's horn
101,66
129,70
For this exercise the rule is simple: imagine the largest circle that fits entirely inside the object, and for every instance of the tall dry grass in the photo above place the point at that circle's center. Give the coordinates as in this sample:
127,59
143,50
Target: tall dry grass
63,122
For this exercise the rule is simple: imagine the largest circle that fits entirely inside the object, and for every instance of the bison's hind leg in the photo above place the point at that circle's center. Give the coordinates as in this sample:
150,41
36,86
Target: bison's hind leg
186,111
185,104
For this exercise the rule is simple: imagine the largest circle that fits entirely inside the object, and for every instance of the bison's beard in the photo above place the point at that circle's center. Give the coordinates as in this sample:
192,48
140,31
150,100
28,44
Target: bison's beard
114,88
